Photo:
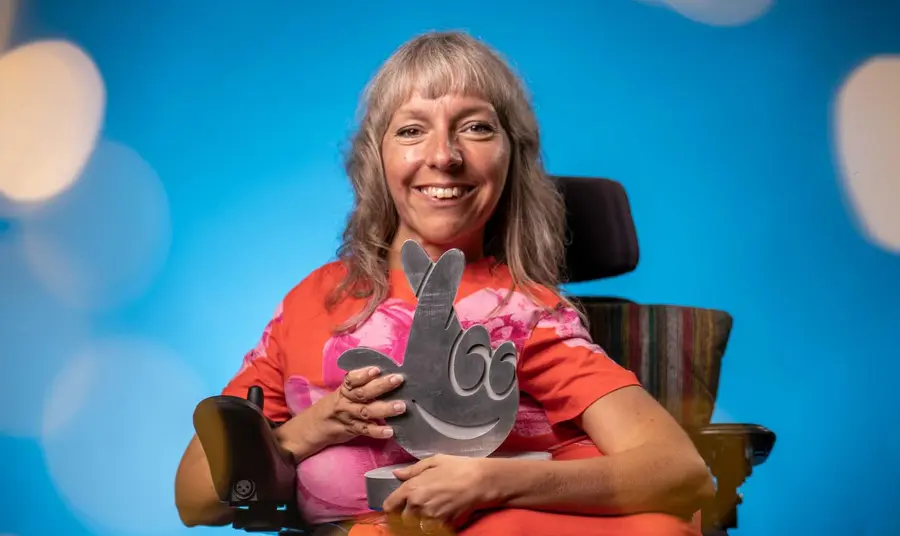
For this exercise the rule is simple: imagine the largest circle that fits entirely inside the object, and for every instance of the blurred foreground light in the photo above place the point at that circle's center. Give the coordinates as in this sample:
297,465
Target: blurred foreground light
116,422
37,334
718,12
7,18
102,243
867,137
52,102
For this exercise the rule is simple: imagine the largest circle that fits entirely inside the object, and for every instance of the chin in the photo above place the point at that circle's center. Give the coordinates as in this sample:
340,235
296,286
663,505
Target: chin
447,240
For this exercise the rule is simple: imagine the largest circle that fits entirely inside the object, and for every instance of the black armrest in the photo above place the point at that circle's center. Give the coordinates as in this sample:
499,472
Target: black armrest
731,451
250,471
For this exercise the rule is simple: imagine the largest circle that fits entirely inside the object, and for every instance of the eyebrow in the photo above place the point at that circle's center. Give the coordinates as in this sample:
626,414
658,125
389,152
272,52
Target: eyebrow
472,109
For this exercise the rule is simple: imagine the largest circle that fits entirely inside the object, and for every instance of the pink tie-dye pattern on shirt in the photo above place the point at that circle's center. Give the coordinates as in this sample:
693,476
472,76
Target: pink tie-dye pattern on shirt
325,492
329,483
569,328
387,331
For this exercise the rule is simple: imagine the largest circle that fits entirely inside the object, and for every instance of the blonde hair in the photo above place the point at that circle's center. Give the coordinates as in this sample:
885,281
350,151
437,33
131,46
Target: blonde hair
526,231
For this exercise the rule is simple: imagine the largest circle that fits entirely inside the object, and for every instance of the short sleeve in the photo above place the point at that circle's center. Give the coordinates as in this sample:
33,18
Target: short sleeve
564,370
263,366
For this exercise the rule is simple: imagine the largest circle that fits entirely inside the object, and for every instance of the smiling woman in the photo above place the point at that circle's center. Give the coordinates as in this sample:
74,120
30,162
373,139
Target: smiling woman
447,155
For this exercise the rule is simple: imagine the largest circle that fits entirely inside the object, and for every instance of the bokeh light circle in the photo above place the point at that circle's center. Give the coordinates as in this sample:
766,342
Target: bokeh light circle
52,102
718,12
37,333
867,137
116,422
103,242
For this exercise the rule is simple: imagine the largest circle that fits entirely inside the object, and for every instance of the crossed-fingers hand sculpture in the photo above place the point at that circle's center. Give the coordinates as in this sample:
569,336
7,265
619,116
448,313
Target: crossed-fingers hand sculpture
461,394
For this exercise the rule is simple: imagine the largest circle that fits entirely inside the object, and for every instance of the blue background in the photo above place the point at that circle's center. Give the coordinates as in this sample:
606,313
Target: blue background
721,135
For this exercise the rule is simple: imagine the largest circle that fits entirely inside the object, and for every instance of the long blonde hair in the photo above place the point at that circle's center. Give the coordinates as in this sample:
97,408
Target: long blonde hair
526,231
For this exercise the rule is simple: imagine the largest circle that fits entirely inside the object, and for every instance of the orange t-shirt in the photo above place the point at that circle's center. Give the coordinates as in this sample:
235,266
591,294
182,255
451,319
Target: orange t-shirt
560,372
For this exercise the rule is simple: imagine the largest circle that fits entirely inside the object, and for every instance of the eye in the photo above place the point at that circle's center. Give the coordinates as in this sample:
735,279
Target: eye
480,129
409,132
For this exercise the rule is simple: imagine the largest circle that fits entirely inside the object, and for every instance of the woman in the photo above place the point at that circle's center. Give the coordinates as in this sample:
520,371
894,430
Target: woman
447,154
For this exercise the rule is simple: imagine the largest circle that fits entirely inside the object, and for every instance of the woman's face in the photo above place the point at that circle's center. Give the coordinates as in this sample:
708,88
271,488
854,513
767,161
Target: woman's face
445,161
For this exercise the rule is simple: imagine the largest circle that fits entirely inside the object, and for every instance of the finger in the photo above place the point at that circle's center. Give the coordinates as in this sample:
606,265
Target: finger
382,409
430,525
373,411
374,389
359,377
366,428
411,516
434,299
396,501
361,357
405,473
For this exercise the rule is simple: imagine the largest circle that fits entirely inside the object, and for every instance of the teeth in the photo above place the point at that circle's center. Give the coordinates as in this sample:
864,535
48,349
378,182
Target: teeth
443,193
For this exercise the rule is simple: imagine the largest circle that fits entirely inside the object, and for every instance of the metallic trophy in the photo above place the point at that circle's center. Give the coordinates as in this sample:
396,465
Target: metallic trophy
461,394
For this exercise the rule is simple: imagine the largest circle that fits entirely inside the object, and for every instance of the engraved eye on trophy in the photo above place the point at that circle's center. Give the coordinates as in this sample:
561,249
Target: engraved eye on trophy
474,363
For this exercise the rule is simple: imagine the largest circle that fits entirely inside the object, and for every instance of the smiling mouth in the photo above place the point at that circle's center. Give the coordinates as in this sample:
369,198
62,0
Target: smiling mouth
453,193
455,431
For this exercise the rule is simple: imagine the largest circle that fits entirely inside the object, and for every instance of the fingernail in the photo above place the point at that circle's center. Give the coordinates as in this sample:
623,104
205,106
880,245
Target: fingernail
374,371
399,407
387,432
396,379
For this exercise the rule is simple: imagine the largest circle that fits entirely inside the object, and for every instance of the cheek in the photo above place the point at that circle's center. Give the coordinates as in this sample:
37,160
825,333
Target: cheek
399,167
495,167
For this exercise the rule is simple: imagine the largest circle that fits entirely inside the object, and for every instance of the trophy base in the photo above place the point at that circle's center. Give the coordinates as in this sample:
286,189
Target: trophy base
381,482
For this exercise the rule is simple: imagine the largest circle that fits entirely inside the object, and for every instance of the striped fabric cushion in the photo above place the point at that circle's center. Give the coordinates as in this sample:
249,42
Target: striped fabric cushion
676,352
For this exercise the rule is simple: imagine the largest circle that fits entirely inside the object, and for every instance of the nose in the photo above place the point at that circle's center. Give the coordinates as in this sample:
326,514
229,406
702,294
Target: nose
443,152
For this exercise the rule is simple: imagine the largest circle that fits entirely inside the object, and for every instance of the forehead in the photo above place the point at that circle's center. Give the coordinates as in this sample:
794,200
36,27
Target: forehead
453,104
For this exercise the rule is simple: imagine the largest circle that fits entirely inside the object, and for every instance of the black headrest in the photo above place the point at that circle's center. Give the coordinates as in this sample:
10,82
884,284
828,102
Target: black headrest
600,235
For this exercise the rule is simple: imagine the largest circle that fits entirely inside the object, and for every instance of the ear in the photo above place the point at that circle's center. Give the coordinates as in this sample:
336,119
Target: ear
416,265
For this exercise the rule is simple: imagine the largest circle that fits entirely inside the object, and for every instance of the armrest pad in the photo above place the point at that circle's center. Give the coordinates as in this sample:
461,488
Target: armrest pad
245,460
754,440
731,451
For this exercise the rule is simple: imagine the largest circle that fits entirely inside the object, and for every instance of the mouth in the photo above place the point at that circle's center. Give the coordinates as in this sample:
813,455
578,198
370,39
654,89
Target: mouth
445,194
455,431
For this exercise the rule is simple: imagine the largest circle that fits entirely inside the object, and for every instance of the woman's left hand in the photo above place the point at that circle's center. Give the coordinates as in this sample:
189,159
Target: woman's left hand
439,491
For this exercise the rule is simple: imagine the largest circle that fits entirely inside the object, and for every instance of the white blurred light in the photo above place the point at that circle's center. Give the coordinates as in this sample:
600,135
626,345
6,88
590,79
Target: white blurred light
103,242
52,102
37,334
867,135
117,421
718,12
7,17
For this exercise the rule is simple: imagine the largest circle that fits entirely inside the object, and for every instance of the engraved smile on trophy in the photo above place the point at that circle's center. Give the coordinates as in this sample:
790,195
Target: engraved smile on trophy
462,393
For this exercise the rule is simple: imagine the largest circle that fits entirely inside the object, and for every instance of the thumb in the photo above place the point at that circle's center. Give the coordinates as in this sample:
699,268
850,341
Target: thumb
414,470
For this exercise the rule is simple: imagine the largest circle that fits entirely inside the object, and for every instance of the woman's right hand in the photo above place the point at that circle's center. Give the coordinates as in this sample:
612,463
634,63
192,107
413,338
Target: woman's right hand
350,411
353,409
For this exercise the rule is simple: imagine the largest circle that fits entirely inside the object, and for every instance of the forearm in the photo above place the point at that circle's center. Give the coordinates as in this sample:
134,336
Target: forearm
297,438
652,478
195,495
303,435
